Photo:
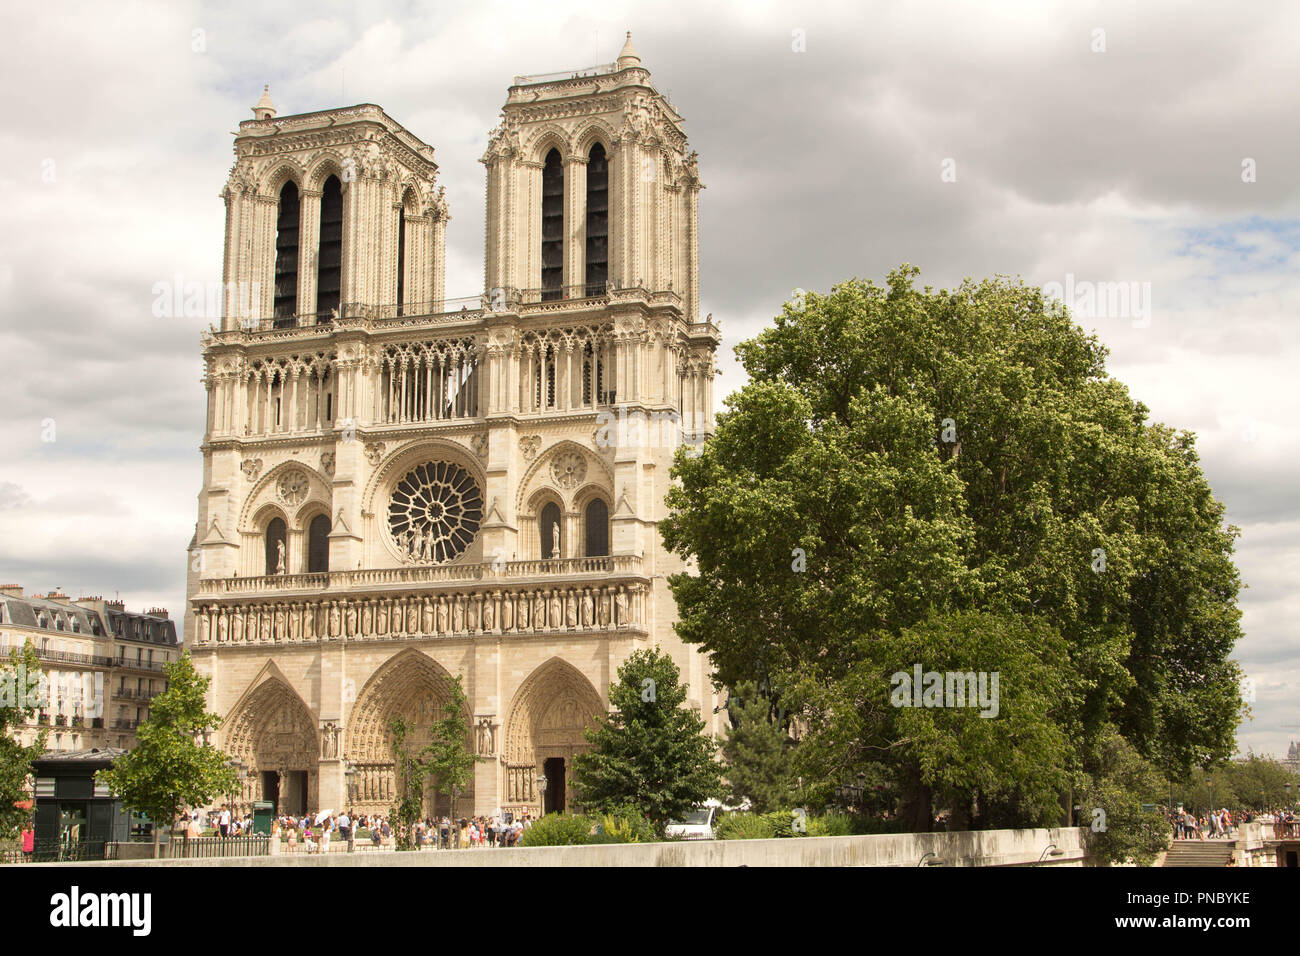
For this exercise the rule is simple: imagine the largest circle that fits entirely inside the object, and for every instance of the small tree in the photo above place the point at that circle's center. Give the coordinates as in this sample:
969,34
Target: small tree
445,757
172,766
650,753
19,698
757,751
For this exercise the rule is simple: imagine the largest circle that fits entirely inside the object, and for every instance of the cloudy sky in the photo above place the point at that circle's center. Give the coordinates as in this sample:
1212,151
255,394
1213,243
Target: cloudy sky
1075,144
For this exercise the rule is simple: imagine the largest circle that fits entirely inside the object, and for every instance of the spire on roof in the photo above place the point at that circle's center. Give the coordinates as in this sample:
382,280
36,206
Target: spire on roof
264,109
628,57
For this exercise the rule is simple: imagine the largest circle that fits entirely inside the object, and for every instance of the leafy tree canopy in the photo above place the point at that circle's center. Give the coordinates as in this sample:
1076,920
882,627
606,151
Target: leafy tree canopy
902,454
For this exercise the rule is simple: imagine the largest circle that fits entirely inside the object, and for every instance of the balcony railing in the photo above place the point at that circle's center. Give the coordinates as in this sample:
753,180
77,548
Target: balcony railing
628,564
128,664
60,657
134,693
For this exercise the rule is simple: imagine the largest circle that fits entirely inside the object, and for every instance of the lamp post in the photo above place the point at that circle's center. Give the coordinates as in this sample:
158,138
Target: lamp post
350,773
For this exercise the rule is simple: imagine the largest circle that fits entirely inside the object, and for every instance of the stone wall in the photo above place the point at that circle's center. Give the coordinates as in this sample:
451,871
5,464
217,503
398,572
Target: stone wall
968,848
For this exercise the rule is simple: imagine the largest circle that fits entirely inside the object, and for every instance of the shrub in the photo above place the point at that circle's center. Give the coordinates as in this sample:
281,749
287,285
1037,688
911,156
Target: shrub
623,826
745,826
558,829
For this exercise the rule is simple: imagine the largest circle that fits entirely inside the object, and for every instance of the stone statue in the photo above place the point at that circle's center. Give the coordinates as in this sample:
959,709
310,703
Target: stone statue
335,619
221,628
279,557
489,615
265,616
352,619
457,614
570,609
508,612
555,539
427,616
620,604
471,617
588,609
442,615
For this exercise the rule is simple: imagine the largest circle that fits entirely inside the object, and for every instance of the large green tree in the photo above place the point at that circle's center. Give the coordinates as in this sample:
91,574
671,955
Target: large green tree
901,453
172,766
650,754
20,690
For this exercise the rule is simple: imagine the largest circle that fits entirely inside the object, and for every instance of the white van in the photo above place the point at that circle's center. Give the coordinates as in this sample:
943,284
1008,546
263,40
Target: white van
697,825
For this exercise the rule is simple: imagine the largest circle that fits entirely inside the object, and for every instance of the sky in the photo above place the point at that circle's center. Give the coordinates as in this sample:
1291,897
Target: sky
1147,149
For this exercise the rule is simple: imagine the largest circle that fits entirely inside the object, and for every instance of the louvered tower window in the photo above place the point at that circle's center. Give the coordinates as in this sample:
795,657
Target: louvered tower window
286,257
552,226
597,220
330,258
401,257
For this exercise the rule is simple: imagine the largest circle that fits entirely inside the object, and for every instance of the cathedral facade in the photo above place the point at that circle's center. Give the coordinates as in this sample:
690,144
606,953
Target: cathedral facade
401,488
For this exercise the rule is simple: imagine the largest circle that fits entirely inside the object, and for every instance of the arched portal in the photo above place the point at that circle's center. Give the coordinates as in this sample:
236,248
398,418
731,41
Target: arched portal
544,733
273,734
414,687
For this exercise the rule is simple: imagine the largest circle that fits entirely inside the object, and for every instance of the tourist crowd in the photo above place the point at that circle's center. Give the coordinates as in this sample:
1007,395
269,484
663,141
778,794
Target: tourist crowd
1220,824
313,833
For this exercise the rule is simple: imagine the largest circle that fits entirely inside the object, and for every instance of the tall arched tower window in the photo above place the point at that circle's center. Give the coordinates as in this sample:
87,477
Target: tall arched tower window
597,220
596,520
318,544
552,226
286,255
549,522
401,257
275,546
329,260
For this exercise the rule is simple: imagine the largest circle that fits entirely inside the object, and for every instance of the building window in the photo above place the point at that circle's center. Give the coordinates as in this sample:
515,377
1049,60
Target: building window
550,522
275,546
318,544
330,258
286,256
597,220
401,258
552,226
597,528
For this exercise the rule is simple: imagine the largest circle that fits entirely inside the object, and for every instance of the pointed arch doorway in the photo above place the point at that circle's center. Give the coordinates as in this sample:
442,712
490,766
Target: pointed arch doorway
544,733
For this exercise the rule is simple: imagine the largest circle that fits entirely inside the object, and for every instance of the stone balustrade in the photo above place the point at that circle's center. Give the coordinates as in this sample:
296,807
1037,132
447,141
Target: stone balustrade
423,575
569,607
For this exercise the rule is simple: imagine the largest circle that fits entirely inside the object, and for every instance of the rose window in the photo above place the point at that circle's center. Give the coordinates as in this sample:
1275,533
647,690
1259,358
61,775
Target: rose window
435,512
293,487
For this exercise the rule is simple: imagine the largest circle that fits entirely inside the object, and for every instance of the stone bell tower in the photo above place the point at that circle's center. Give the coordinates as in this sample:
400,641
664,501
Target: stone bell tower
591,187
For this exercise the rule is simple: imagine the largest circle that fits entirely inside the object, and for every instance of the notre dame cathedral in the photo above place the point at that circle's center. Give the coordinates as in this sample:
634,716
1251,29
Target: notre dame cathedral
400,488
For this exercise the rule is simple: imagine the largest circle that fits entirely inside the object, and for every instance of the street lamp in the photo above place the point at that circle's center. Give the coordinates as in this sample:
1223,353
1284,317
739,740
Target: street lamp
351,772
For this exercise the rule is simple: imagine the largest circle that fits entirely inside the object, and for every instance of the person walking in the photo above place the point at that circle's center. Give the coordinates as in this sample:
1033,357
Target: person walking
28,842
